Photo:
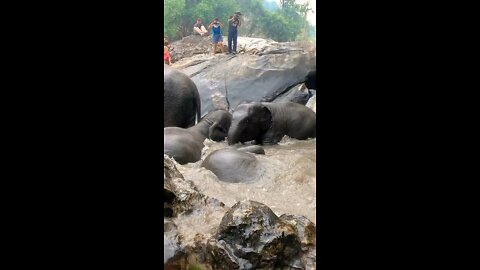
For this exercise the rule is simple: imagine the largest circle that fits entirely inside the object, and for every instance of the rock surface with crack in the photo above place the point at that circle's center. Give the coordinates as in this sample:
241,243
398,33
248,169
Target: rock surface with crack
262,71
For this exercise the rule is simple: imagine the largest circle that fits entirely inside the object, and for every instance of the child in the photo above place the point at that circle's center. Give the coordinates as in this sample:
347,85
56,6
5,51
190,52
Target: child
166,53
216,27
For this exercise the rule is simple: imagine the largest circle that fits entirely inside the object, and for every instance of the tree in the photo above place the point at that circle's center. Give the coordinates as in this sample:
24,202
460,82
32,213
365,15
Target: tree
304,9
172,16
206,10
254,13
278,28
286,22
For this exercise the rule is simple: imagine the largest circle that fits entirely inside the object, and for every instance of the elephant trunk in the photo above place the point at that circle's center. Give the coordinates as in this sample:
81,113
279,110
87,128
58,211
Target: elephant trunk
233,134
211,129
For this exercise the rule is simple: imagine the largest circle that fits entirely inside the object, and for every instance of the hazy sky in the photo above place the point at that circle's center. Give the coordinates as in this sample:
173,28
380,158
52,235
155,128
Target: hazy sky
311,15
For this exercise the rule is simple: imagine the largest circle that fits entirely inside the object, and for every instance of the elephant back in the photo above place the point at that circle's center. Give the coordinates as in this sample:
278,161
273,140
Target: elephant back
182,105
234,166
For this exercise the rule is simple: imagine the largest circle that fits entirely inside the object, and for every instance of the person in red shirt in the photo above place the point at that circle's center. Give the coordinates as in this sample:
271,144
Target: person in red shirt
166,53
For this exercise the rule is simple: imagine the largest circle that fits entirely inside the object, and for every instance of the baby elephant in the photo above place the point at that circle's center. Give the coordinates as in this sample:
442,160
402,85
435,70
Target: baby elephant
234,166
267,123
253,149
185,145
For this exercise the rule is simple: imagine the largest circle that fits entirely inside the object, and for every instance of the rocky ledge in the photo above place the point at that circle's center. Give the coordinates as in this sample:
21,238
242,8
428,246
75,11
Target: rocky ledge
246,236
263,70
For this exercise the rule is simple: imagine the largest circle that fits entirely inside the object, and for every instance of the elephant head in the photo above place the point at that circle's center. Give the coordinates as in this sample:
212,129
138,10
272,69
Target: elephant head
219,122
250,121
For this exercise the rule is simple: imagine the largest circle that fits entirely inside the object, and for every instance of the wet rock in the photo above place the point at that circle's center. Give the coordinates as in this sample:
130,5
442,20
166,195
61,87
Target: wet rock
262,71
312,103
182,202
258,238
298,94
306,232
181,195
170,240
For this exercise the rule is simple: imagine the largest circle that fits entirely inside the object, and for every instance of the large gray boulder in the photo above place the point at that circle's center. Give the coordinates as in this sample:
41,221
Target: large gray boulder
262,71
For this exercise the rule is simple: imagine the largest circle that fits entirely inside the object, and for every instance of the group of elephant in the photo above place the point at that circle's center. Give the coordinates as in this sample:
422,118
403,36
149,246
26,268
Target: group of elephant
255,123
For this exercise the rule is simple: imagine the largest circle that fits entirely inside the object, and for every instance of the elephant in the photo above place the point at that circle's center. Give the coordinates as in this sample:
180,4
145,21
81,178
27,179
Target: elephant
182,104
252,149
232,165
311,80
185,145
267,123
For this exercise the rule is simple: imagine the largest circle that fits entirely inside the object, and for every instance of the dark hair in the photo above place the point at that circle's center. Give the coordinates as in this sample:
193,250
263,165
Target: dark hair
216,19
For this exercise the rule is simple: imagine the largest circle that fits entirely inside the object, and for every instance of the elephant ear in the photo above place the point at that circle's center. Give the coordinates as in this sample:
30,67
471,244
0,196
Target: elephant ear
265,117
217,132
211,129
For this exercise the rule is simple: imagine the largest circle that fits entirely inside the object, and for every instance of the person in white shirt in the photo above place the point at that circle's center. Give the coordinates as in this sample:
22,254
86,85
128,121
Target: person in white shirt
199,28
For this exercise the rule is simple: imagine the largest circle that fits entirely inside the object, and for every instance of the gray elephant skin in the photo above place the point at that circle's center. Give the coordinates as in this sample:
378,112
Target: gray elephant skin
267,123
181,99
252,149
185,145
232,165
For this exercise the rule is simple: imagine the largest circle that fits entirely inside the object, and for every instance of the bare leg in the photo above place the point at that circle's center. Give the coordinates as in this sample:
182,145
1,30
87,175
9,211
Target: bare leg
221,46
198,31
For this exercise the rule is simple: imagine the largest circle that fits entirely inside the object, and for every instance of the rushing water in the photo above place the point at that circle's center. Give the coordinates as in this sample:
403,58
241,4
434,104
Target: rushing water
287,186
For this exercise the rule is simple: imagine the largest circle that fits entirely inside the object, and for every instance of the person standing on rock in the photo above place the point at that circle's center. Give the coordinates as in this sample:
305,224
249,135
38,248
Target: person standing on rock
199,29
233,24
166,52
216,27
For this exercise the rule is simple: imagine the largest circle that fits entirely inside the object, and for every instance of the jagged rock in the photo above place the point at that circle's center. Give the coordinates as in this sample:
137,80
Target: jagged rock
181,195
183,200
306,232
262,71
170,240
259,239
193,45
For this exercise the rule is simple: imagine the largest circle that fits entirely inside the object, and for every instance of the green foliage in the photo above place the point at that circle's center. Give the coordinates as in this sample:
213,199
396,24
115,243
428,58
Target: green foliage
173,10
194,267
207,10
286,22
312,32
279,28
253,19
270,5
